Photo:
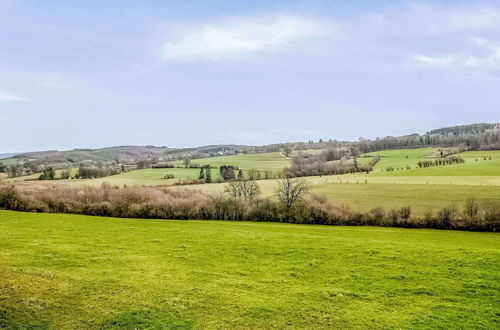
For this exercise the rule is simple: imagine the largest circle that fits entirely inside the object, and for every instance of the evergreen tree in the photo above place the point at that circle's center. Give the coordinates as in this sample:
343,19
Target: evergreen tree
202,174
208,175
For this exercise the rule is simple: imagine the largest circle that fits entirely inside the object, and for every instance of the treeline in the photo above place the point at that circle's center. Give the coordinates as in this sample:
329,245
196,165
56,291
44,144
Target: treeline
229,173
14,171
374,161
291,205
93,172
456,130
469,137
441,161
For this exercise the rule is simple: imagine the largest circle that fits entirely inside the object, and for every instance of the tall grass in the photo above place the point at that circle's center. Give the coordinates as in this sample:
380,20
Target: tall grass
164,203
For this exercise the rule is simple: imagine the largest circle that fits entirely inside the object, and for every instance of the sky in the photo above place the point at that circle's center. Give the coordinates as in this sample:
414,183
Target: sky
77,74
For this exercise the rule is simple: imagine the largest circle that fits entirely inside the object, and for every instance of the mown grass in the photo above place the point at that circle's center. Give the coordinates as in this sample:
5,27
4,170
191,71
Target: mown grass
400,157
477,163
262,161
71,271
420,198
148,177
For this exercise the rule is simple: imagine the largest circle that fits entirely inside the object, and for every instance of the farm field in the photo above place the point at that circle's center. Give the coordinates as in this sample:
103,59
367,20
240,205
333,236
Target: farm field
147,177
71,271
273,161
262,161
8,161
420,197
422,188
475,163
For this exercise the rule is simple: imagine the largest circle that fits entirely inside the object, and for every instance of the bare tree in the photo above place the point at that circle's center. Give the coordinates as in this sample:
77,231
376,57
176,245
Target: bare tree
245,189
290,191
186,161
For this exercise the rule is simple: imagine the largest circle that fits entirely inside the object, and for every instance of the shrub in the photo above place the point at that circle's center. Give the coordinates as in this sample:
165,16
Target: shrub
164,203
405,213
471,208
264,210
445,217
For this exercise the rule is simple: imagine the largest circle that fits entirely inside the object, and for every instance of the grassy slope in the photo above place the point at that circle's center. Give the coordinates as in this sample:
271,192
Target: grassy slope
8,161
148,177
70,271
475,164
263,161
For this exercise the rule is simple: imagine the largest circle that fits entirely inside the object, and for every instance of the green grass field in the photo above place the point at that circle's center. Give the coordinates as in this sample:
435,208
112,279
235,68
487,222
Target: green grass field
8,161
262,161
392,196
475,163
148,177
72,271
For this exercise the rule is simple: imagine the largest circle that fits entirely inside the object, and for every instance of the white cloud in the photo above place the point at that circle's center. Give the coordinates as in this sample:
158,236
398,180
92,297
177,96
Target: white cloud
245,35
485,54
6,96
436,61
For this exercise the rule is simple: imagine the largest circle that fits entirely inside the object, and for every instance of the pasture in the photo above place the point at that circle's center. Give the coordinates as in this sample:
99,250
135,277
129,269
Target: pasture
148,177
72,271
477,163
262,161
8,161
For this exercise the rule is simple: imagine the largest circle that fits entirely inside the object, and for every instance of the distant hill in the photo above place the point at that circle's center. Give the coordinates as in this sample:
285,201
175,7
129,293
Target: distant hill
470,137
9,155
126,154
118,154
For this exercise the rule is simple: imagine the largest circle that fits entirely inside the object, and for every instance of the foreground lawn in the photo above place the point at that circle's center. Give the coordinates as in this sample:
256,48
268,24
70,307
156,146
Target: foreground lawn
75,271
